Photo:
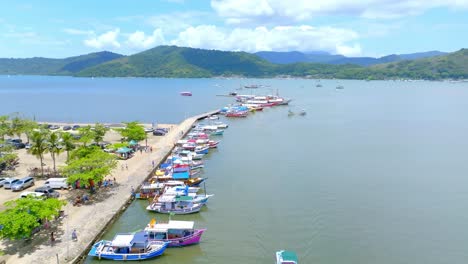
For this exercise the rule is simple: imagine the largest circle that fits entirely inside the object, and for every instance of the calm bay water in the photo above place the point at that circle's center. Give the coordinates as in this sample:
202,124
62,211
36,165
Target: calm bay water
374,173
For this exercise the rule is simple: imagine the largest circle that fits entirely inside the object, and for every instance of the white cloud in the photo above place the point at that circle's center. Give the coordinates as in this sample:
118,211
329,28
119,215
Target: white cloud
106,40
139,40
261,11
281,38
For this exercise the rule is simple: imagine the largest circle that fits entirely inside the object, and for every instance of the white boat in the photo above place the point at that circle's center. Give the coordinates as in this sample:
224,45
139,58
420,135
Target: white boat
213,117
220,125
179,205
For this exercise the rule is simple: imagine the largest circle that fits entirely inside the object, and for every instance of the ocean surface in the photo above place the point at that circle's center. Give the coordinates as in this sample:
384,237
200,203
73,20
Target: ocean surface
374,173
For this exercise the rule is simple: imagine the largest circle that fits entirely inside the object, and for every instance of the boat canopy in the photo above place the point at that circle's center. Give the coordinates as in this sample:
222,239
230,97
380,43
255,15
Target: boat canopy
163,227
133,142
181,175
164,165
183,198
122,240
289,256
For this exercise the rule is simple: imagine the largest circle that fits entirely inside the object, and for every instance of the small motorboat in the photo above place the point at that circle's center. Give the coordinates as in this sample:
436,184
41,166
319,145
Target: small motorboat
186,93
179,205
286,257
176,233
218,132
339,87
302,112
213,117
128,247
290,113
318,85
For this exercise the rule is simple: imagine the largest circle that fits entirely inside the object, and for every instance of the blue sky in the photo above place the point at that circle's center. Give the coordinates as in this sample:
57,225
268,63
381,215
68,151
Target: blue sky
59,29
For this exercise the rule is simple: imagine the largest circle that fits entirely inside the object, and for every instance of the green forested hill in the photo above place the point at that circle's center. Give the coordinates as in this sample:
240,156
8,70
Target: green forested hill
171,61
46,66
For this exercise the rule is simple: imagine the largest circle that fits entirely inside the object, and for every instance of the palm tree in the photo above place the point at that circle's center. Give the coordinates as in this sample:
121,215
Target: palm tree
68,143
39,146
54,146
5,129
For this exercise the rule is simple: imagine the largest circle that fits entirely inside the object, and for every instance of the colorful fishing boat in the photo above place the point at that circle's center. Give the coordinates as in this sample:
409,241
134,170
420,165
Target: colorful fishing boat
176,233
286,257
179,205
202,149
186,93
237,114
218,132
128,247
213,144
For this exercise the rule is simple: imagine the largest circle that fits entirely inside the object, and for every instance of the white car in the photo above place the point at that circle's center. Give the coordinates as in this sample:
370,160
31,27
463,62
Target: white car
32,194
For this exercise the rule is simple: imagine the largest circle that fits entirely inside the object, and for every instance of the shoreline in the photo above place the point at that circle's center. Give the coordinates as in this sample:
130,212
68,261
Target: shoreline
93,220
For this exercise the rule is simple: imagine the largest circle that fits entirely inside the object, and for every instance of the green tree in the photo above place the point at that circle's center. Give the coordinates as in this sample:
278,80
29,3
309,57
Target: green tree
7,156
16,126
54,147
99,132
86,135
133,131
39,146
68,142
5,129
88,164
28,127
22,216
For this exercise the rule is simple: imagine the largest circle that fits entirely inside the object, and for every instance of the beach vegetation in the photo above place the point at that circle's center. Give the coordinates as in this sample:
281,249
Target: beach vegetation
132,131
39,145
54,147
99,132
24,216
68,143
88,164
86,135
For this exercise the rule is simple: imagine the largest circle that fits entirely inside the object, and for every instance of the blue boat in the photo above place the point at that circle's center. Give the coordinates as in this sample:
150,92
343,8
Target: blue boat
128,247
202,149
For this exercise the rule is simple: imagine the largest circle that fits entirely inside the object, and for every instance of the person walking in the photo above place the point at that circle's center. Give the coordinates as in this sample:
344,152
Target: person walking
74,235
126,166
132,192
52,238
152,162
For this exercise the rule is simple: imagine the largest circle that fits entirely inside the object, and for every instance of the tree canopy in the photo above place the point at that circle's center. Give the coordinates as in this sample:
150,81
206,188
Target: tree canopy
22,216
133,131
88,164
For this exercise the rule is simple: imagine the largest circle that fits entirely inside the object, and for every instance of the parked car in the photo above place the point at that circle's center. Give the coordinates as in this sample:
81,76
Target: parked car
32,194
159,133
53,127
2,180
8,182
27,145
56,183
66,128
22,184
47,191
75,127
16,143
149,129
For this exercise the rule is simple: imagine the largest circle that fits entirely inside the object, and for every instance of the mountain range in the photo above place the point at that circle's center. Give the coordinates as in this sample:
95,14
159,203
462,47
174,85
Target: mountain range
325,57
180,62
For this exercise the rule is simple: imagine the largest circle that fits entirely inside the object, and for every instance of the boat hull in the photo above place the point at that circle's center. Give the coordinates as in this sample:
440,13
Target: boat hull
185,241
96,252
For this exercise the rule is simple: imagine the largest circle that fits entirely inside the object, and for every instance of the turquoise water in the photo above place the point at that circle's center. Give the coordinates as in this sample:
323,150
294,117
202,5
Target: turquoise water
374,173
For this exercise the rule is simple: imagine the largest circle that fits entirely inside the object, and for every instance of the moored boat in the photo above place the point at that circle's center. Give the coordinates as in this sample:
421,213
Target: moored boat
186,93
286,257
128,247
179,205
237,114
176,233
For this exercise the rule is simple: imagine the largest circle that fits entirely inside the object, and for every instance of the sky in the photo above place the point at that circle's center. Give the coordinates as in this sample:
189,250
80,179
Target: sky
58,28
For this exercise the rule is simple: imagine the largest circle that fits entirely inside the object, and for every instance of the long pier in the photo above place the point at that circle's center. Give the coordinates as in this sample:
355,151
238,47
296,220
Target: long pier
92,221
